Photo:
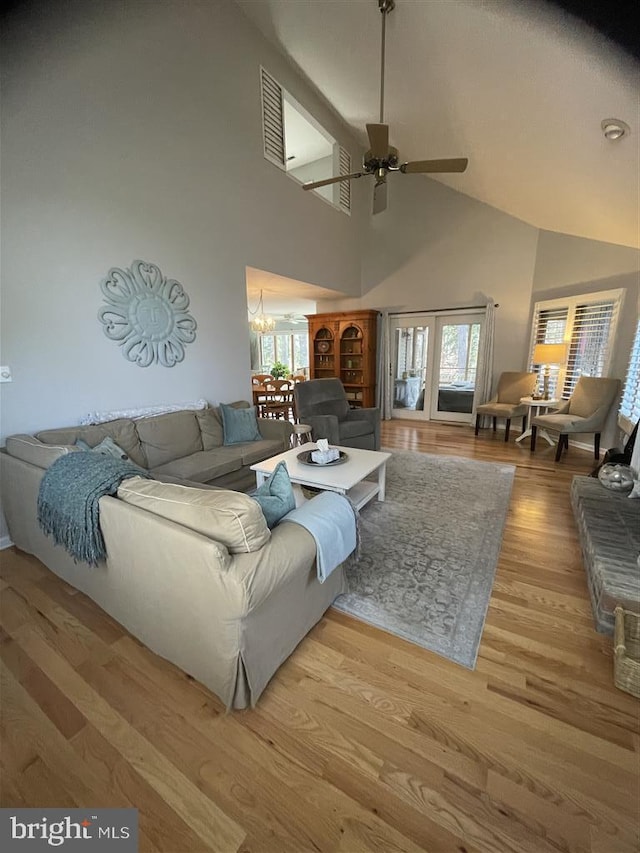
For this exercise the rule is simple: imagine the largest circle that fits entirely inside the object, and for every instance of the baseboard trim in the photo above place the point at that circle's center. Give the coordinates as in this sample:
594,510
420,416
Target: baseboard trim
5,542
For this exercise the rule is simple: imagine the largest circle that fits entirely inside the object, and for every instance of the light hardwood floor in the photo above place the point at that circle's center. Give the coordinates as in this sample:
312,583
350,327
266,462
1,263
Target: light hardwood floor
361,742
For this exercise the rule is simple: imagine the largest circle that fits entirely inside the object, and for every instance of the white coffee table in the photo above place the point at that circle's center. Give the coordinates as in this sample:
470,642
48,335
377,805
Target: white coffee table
537,407
348,478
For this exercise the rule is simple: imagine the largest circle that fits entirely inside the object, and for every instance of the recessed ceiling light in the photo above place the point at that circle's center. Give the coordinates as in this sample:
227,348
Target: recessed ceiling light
614,128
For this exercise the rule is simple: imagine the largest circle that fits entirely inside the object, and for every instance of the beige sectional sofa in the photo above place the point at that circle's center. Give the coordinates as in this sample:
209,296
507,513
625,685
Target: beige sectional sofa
185,445
227,614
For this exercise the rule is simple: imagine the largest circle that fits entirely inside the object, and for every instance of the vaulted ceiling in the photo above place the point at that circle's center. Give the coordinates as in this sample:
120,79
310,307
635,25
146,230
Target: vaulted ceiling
518,87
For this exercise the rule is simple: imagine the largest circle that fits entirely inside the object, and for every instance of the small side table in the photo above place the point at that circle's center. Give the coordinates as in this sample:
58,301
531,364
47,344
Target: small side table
537,407
300,435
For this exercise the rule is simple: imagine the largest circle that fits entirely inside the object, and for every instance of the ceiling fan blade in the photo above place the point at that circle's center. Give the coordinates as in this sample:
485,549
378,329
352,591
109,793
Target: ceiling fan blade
458,164
380,197
378,140
312,185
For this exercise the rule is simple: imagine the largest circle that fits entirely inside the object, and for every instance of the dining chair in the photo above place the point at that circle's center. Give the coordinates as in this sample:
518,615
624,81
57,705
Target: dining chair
584,412
279,399
257,386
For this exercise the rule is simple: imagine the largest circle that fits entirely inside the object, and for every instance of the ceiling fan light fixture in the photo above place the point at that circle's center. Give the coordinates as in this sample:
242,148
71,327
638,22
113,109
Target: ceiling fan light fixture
382,158
614,128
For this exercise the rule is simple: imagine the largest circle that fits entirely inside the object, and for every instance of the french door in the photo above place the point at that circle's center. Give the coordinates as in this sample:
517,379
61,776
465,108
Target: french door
410,337
453,381
434,360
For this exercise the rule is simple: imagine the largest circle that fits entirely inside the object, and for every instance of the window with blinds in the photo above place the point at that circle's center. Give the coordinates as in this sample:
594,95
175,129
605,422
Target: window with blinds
629,414
587,325
295,142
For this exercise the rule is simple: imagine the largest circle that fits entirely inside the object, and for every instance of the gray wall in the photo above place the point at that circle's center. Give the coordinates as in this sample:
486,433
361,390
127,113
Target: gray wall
436,248
133,130
570,266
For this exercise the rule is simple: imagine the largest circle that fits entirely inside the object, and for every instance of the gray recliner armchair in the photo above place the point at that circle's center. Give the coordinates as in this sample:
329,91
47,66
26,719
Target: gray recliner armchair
323,404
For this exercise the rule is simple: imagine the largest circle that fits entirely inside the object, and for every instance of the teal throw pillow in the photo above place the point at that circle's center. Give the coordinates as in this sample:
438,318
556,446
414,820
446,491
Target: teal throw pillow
275,495
107,447
239,425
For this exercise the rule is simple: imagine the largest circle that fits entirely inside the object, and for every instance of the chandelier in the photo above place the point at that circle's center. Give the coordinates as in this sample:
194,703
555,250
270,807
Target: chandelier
261,322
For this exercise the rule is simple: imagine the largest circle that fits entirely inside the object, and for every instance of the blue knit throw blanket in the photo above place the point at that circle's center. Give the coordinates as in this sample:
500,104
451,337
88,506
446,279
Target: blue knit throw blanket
68,500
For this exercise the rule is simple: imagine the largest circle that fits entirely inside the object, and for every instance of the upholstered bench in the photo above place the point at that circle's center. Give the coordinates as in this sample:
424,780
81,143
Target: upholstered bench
609,531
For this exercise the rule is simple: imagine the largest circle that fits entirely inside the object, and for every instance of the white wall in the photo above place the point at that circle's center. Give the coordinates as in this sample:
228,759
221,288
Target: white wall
134,131
317,170
436,248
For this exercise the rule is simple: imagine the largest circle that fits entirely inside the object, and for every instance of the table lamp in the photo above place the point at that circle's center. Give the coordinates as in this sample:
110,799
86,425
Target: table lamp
548,354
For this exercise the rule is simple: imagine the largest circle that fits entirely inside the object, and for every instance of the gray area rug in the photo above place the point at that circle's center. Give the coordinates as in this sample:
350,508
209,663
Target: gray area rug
429,552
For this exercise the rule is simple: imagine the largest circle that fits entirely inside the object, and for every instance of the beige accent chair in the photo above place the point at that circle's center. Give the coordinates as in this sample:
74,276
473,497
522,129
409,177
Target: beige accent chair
512,387
584,412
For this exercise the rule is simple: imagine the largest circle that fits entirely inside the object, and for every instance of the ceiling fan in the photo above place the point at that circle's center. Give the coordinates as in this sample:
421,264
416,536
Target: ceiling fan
382,158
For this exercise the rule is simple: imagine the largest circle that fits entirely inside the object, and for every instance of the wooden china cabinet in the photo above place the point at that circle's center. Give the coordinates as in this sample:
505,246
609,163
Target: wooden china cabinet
343,344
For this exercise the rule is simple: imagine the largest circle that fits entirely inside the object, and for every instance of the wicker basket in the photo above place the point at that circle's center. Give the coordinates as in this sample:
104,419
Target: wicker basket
626,666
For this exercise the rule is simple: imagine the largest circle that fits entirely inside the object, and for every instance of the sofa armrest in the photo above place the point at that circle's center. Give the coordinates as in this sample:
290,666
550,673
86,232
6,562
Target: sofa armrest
276,429
30,449
290,550
324,426
372,415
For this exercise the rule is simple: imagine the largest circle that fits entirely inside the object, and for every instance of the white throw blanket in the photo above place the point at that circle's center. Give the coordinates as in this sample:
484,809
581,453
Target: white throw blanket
330,519
134,414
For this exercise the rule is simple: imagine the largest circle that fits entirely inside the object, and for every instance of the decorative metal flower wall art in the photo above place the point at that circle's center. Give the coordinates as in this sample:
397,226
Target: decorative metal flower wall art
146,313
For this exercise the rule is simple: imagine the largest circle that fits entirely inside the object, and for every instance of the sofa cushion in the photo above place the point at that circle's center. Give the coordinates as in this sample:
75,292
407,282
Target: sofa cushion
29,449
239,425
210,421
231,518
203,466
122,431
275,496
170,436
256,451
